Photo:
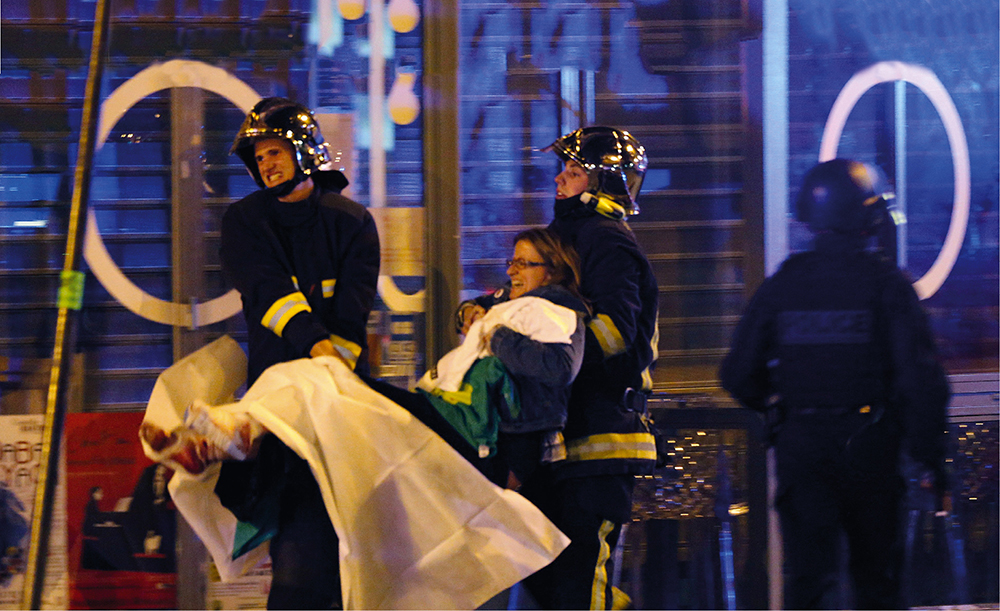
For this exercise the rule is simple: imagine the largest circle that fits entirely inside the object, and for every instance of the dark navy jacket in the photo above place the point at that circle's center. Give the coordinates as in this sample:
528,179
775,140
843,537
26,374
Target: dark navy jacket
603,436
838,329
306,271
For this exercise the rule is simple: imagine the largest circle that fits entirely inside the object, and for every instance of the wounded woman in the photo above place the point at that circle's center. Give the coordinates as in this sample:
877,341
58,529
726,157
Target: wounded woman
500,398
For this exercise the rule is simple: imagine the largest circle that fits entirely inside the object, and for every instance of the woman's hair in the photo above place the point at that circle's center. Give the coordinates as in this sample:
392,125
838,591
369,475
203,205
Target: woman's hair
560,259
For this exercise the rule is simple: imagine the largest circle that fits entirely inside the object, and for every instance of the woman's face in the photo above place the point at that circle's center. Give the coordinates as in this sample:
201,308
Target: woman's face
572,181
526,269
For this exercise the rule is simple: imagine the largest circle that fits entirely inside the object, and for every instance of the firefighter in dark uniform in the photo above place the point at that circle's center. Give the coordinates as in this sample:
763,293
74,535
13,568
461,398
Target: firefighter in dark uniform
608,440
305,260
836,348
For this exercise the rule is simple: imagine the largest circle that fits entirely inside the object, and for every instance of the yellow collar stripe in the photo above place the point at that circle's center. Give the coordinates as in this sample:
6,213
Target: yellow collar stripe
609,208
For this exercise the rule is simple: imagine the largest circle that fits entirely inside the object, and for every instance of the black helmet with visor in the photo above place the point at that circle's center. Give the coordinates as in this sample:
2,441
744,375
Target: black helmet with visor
851,198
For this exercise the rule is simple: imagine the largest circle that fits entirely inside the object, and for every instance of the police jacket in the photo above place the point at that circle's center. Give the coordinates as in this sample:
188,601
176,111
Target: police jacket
603,434
306,271
837,329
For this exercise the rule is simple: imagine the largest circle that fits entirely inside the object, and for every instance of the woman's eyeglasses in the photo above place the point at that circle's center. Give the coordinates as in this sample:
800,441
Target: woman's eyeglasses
521,264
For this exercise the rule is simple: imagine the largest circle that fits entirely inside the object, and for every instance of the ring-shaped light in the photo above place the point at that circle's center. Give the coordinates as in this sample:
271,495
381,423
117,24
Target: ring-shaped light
174,73
928,83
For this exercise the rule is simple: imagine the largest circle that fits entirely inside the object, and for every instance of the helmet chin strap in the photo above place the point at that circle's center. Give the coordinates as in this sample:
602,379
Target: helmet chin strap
603,205
283,189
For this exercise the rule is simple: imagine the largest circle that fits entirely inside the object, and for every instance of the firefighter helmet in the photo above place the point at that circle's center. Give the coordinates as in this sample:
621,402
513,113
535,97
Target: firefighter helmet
282,118
613,156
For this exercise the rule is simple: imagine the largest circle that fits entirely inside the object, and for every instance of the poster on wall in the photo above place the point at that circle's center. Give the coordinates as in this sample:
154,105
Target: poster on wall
120,522
20,461
245,593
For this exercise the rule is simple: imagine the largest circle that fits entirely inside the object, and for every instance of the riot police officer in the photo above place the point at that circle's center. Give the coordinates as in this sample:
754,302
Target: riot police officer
836,343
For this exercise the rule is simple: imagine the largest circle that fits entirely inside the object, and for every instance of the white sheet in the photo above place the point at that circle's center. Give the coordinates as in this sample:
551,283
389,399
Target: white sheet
419,527
535,317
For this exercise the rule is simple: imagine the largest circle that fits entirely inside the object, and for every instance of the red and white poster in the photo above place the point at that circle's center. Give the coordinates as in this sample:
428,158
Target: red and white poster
20,461
121,525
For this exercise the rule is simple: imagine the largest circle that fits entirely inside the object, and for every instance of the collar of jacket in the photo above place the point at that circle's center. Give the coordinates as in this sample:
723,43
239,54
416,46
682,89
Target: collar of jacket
293,214
559,295
830,241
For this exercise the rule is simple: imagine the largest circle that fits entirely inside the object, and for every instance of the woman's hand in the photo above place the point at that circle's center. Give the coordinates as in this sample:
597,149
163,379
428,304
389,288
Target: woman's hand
471,312
486,340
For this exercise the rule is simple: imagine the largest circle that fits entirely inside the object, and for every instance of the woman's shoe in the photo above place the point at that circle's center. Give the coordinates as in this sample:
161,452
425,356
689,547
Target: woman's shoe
180,449
236,436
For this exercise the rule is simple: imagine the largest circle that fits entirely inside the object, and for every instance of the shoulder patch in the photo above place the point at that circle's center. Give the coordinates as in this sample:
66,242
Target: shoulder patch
800,327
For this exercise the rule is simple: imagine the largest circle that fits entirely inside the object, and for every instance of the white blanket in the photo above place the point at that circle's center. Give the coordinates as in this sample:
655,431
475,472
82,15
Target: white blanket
535,317
419,527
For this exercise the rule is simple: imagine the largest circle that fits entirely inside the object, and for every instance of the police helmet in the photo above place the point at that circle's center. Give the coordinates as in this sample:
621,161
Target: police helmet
614,156
842,196
282,118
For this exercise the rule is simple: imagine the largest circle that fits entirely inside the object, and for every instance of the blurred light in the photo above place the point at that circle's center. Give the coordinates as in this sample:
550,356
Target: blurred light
403,15
351,9
403,103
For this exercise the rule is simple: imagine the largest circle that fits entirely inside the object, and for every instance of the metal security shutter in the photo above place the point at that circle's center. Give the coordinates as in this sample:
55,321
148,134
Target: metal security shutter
45,46
673,75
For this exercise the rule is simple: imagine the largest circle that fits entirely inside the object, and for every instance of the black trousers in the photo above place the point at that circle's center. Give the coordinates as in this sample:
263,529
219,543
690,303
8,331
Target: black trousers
840,476
590,511
305,559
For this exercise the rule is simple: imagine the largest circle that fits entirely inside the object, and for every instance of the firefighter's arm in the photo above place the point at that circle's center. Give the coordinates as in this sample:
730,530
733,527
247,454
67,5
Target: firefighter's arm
919,388
354,294
270,295
611,275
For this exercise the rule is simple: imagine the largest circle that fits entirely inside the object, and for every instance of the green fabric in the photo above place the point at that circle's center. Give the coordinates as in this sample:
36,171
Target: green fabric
263,523
473,409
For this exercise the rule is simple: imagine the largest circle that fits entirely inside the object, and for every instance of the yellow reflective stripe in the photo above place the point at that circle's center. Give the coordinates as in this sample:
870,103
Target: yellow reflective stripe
607,335
598,589
620,600
639,446
328,288
295,281
647,380
655,342
462,396
347,349
282,310
609,208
